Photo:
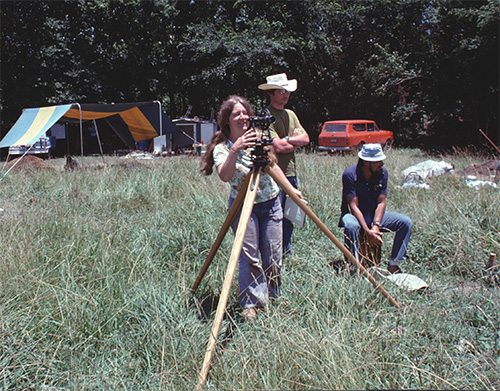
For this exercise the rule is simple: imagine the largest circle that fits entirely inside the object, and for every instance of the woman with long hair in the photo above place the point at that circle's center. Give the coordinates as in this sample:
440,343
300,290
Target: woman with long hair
228,151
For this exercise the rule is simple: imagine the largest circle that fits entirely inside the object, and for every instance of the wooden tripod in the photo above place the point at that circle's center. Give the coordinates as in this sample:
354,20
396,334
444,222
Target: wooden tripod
246,196
248,193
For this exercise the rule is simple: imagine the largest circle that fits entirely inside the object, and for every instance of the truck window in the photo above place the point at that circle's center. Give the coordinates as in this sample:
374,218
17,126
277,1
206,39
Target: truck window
335,128
359,127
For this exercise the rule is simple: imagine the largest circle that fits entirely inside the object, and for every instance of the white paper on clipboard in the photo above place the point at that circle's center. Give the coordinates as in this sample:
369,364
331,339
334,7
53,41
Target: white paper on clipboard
293,213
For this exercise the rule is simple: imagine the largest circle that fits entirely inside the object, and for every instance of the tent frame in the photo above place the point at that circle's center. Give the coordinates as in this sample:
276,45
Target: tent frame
80,121
97,131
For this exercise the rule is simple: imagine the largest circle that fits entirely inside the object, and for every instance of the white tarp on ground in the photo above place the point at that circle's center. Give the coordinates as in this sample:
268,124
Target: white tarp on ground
416,176
410,282
476,184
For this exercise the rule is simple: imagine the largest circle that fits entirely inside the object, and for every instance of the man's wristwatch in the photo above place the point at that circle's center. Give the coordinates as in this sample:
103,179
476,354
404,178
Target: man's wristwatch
376,223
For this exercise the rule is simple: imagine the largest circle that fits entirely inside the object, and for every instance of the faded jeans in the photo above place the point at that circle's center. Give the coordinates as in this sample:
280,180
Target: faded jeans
287,224
260,282
391,222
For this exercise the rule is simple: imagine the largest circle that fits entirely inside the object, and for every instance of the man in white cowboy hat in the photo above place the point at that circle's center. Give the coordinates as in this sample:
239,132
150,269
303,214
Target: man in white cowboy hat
364,192
288,135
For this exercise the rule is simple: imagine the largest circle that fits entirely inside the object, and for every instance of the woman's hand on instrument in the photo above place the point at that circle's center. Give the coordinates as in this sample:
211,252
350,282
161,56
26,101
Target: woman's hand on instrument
248,139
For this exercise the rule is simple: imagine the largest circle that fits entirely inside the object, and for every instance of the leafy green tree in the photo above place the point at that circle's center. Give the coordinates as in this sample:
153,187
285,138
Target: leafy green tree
425,69
440,66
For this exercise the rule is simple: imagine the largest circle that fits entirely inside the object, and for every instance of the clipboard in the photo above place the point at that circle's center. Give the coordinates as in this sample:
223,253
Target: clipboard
293,213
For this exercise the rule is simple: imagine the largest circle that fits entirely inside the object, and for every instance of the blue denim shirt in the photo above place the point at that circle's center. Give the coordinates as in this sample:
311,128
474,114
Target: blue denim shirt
354,184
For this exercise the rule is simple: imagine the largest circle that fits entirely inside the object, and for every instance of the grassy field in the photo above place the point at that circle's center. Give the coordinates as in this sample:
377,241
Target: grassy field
96,267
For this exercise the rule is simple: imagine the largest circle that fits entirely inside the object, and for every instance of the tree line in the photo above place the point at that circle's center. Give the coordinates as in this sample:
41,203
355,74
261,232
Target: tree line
428,70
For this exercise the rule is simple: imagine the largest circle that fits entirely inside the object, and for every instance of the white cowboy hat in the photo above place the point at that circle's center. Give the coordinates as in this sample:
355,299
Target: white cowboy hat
371,153
279,81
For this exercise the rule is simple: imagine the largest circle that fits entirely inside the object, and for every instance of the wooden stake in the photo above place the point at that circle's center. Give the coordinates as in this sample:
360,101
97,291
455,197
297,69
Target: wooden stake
231,268
288,189
487,138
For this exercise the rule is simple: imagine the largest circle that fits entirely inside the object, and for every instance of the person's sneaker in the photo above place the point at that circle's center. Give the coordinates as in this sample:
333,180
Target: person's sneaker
249,314
393,269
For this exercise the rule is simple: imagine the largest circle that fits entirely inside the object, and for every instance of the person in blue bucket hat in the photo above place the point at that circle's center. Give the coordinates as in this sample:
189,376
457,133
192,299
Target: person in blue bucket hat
364,193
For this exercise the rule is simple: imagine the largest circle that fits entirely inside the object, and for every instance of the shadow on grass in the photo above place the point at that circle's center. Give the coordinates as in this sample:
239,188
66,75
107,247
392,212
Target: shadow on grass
206,306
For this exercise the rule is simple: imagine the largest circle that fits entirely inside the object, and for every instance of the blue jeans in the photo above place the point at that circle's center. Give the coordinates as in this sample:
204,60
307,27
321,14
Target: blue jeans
258,283
391,222
287,224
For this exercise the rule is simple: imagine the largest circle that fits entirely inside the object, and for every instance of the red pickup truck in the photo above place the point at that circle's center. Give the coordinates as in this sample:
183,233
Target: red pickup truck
351,134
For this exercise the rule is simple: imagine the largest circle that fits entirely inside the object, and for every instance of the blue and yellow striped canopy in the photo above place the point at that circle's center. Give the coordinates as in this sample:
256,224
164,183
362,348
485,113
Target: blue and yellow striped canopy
32,124
132,122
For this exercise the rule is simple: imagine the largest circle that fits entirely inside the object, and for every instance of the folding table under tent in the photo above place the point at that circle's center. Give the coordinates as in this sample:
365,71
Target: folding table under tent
132,122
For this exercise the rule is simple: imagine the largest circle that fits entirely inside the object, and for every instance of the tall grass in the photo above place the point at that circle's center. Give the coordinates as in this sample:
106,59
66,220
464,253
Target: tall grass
96,267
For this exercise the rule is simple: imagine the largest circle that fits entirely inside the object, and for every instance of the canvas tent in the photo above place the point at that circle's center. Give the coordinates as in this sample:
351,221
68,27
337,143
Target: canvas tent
132,122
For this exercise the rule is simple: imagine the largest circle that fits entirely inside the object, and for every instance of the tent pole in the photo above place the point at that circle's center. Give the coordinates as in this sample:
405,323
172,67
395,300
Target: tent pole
99,140
6,161
161,124
66,134
18,160
81,128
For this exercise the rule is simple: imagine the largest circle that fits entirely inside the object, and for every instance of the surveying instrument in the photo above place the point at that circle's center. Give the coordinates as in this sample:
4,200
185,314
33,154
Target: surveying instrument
245,201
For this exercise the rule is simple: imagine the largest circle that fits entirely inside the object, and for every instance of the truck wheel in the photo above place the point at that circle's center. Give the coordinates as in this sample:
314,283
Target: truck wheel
360,146
388,145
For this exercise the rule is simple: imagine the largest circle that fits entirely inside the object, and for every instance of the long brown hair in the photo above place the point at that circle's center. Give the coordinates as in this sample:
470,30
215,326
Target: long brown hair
222,135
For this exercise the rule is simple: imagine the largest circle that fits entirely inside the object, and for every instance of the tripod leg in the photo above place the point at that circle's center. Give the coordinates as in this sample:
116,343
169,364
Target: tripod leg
231,268
287,188
231,215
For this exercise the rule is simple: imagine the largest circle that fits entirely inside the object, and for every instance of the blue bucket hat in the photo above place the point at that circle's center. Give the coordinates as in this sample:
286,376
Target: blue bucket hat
371,153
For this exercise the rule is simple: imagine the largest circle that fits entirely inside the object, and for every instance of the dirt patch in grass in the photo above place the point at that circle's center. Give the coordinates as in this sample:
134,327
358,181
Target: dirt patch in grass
28,162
